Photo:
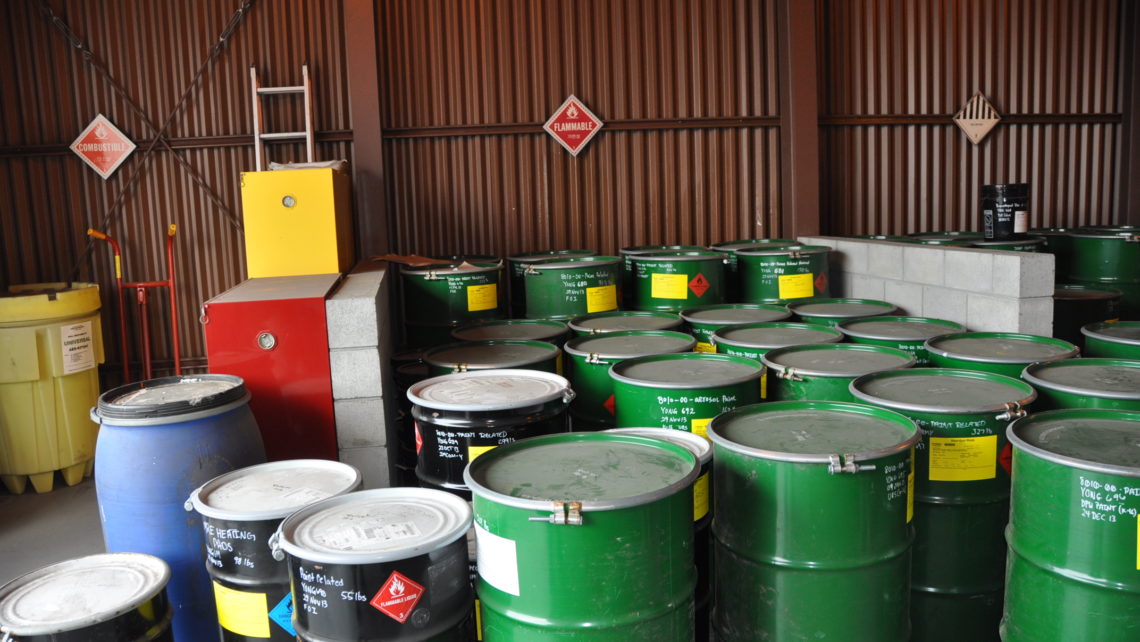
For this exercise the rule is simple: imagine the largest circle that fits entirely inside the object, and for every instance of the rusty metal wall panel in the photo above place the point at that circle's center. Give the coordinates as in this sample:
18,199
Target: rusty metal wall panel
49,197
893,73
687,89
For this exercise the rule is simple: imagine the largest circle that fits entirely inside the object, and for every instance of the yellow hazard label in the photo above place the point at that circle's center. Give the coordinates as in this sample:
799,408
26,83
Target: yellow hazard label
242,613
669,286
910,490
482,297
796,286
475,451
601,299
479,620
963,458
704,347
701,497
700,427
764,384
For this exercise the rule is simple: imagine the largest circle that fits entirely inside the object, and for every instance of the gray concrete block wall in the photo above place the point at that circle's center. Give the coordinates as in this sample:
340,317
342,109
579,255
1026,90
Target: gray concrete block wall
360,347
985,290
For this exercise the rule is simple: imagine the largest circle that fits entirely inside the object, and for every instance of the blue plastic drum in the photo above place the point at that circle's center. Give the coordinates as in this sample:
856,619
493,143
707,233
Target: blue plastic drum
160,439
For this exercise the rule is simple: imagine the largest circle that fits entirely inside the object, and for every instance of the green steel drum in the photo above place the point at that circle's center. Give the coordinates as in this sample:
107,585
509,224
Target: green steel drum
792,272
439,298
904,333
1119,339
674,281
683,391
1005,353
1075,306
570,287
961,488
1027,244
586,536
487,355
620,320
732,268
810,522
588,364
516,267
823,372
1074,570
627,254
705,320
1109,257
1112,384
554,332
961,239
835,311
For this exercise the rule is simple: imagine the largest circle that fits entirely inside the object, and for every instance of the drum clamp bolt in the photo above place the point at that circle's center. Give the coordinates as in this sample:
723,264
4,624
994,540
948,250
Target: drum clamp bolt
530,269
1013,410
432,276
1133,239
593,358
848,466
564,513
459,367
789,374
275,546
795,254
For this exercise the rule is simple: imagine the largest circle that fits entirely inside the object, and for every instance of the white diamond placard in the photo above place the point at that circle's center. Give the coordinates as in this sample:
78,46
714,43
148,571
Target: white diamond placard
977,118
102,146
573,125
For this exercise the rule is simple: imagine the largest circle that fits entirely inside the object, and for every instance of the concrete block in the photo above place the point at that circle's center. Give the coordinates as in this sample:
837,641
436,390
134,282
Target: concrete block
924,264
969,270
907,296
885,260
357,312
852,256
1035,315
1023,274
862,286
360,422
944,303
372,463
356,373
992,313
830,241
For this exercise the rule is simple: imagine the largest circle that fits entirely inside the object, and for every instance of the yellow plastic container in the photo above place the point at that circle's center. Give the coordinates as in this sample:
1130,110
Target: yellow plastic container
297,221
51,340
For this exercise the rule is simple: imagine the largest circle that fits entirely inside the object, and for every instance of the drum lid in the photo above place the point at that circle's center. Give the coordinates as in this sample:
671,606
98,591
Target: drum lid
776,335
534,329
171,396
273,490
942,390
688,370
837,359
626,320
736,313
1102,378
1093,439
625,345
486,390
999,347
898,328
842,308
492,354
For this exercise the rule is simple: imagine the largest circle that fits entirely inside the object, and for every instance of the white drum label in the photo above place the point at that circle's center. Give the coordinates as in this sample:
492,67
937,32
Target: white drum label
498,560
77,347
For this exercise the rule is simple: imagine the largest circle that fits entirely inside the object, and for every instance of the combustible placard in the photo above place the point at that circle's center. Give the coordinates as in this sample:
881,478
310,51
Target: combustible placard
573,125
102,146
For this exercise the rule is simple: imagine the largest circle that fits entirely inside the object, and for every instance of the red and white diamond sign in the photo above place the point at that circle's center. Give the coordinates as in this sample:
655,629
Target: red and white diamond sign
103,147
398,597
699,285
573,125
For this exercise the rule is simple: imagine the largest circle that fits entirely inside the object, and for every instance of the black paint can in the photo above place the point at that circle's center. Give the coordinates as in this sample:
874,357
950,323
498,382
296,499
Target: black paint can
1005,210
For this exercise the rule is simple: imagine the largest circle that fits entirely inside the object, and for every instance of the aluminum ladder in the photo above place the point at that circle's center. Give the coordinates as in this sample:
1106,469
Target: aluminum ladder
260,137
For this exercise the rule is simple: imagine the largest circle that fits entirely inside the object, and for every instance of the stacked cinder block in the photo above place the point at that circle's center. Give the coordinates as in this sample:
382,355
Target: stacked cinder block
985,290
359,344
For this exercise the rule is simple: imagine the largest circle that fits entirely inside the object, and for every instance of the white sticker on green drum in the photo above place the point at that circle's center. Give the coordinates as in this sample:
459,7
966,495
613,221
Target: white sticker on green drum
77,347
498,560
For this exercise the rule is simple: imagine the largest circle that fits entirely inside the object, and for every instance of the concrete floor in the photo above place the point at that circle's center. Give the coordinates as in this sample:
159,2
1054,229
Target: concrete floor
41,529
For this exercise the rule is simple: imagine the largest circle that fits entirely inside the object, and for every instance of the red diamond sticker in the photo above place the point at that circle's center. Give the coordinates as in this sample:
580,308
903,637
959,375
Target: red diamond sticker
821,282
699,285
1006,459
102,146
572,125
609,405
419,439
398,597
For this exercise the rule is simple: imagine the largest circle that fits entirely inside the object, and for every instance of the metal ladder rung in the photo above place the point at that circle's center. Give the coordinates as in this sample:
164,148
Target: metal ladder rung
295,89
260,137
284,135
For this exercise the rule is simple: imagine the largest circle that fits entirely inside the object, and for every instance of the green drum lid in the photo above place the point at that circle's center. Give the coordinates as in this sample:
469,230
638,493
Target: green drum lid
895,328
507,353
535,257
841,308
78,593
630,343
694,443
813,431
1101,378
836,360
1079,292
524,329
787,250
1105,441
732,246
618,320
1125,332
574,262
1000,347
372,526
691,370
489,390
603,471
650,249
736,313
453,269
677,257
943,390
1124,233
272,490
766,336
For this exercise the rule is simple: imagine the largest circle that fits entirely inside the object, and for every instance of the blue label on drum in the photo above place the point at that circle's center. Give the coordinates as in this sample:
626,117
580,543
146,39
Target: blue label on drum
282,614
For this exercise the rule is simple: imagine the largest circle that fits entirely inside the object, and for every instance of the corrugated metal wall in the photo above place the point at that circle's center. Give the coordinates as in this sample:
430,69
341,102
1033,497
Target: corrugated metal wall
893,72
687,89
153,49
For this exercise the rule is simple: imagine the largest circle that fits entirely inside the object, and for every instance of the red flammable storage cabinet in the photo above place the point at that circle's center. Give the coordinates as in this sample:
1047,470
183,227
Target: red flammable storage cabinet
272,332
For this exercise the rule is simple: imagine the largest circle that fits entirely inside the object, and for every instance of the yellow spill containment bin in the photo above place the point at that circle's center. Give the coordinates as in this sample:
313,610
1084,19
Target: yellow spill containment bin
297,222
51,344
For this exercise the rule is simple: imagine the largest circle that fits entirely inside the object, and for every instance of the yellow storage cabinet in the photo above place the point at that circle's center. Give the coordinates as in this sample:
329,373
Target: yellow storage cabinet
51,342
297,221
